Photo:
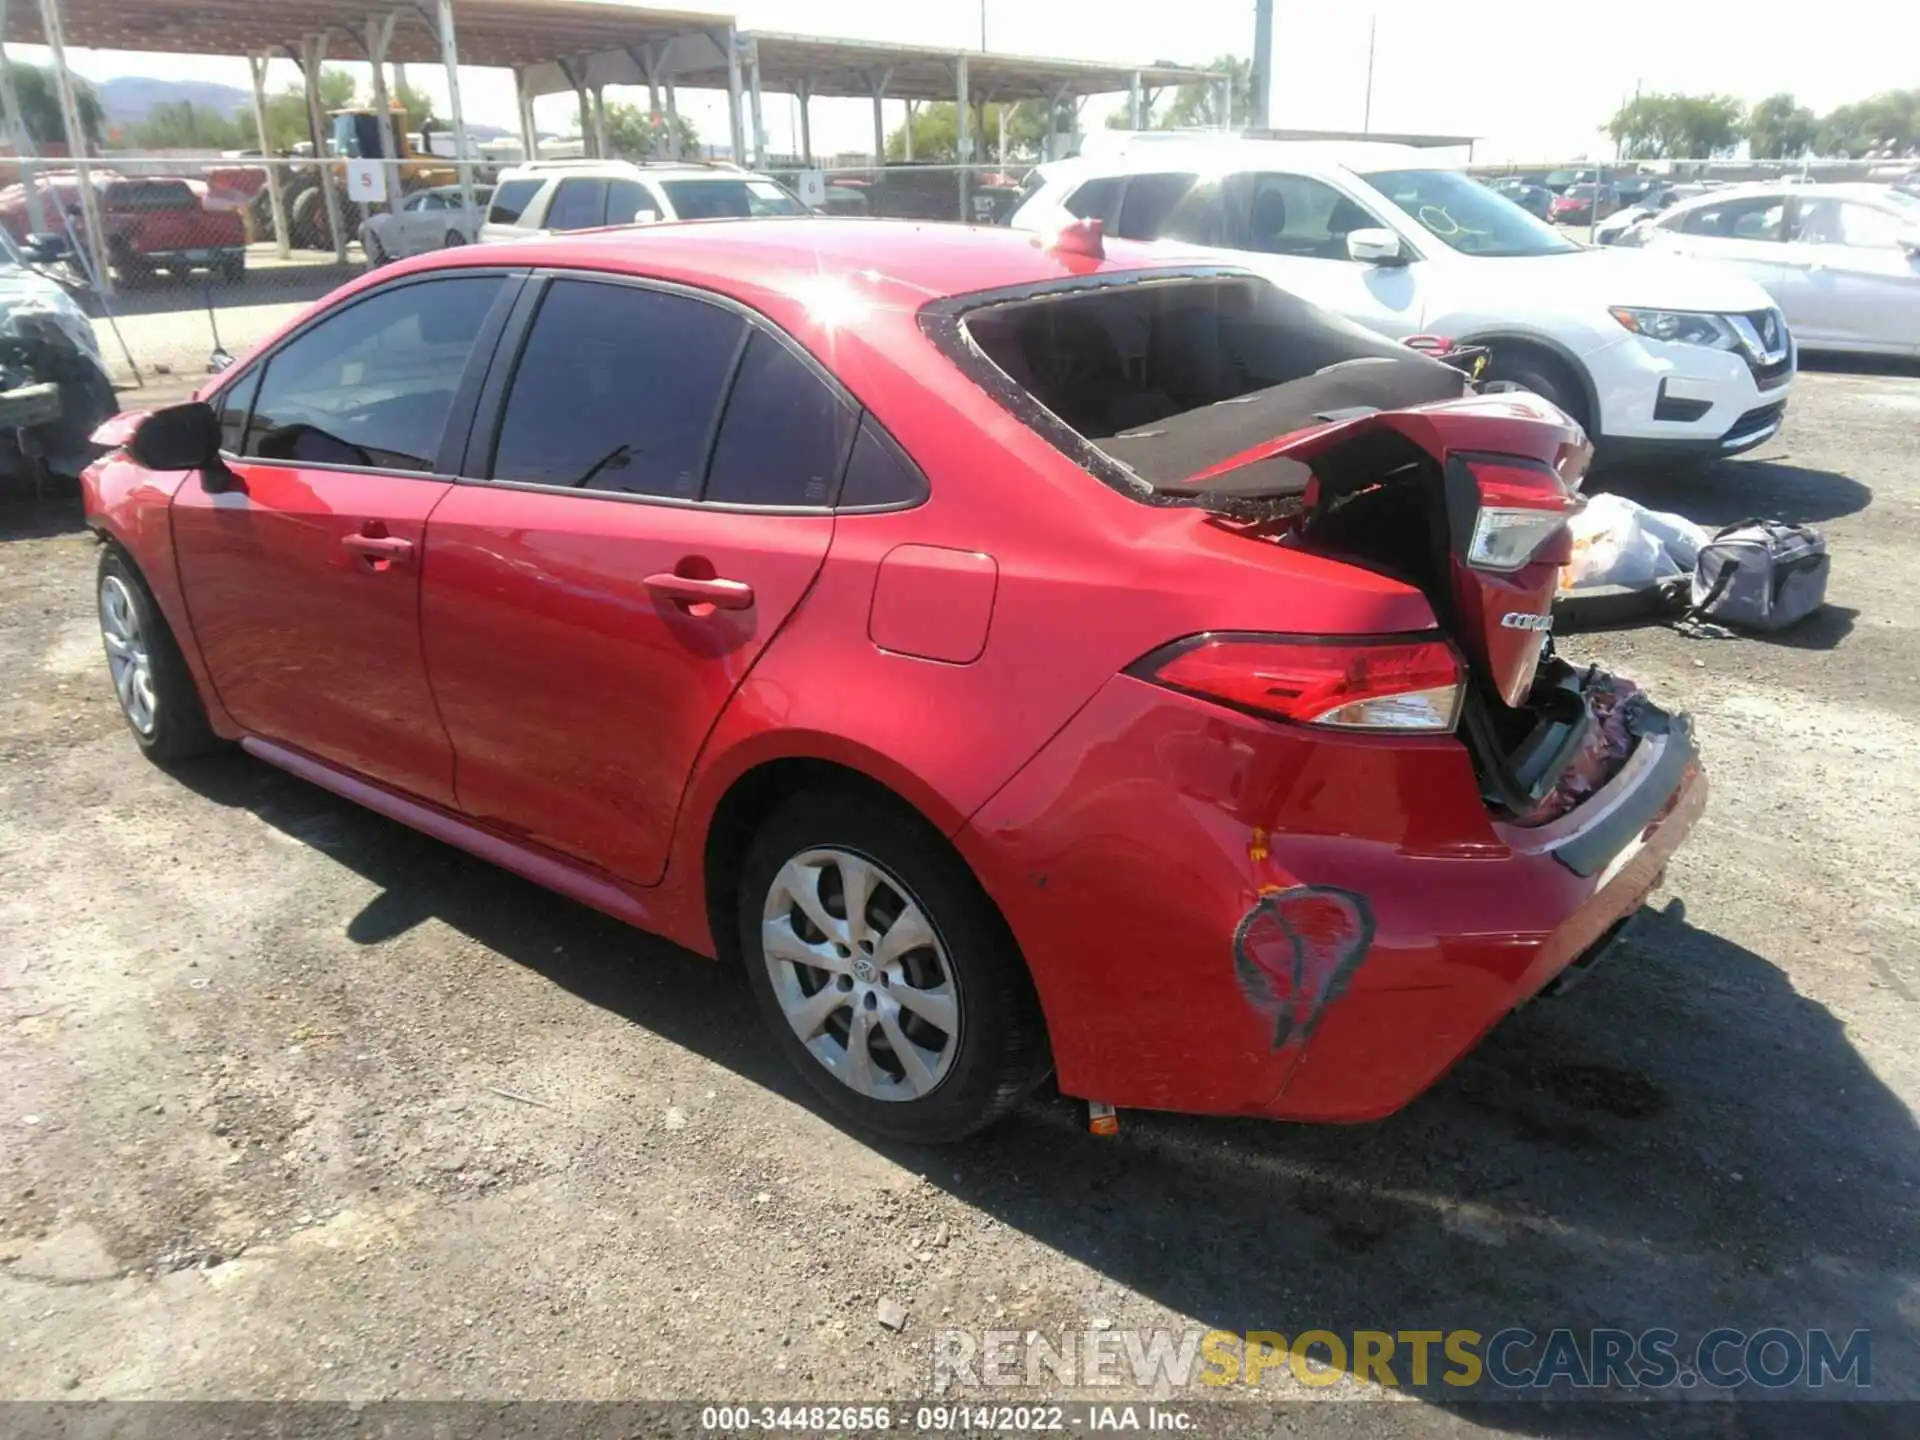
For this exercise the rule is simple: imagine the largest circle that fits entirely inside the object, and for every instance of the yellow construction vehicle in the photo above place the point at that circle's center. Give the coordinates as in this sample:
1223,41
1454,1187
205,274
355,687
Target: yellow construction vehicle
357,134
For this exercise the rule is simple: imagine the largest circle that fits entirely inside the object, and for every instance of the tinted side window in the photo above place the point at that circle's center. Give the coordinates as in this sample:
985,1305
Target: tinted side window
617,389
1094,200
510,199
372,384
1757,217
235,401
879,473
578,204
1293,215
1150,200
1201,217
785,436
1833,222
625,200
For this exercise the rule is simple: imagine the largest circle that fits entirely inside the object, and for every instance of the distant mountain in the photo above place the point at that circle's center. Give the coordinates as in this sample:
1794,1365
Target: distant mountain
131,98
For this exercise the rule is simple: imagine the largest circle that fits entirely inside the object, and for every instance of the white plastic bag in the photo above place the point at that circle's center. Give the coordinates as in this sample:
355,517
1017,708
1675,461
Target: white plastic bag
1618,542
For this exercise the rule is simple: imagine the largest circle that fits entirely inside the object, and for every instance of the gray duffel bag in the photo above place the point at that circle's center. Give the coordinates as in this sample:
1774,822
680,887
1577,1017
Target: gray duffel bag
1760,575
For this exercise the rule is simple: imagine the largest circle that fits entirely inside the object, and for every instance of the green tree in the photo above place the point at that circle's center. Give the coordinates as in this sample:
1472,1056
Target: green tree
1887,122
636,134
1677,127
287,111
186,126
40,105
1197,106
417,103
1779,129
934,138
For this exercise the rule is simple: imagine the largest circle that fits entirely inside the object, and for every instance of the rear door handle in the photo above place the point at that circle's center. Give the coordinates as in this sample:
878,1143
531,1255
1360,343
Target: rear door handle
389,548
721,594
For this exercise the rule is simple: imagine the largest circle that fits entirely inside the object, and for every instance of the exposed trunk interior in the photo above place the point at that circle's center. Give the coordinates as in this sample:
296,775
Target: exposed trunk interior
1381,504
1171,377
1180,385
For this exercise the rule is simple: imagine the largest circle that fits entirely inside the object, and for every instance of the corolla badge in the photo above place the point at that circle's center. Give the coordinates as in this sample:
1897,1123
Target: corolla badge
1524,620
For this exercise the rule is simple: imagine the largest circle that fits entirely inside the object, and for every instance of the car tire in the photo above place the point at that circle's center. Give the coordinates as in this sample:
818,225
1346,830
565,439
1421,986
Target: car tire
454,237
233,269
973,1028
157,696
1545,375
376,252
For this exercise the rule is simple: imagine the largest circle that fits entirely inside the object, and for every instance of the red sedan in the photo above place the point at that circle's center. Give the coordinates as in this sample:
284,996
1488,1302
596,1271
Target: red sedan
1023,654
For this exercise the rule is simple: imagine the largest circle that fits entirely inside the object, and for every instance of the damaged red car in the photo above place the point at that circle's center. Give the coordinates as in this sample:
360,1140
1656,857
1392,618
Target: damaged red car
1022,654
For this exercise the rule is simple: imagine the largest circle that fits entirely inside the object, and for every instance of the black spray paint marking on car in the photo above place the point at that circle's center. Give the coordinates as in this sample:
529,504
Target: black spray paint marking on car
1294,953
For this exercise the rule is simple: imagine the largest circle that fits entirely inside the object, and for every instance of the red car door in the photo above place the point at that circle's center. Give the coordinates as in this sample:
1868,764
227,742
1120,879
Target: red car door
593,604
302,575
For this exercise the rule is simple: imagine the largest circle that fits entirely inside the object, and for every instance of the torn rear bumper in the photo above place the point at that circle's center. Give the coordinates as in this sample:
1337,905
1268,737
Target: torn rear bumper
1226,915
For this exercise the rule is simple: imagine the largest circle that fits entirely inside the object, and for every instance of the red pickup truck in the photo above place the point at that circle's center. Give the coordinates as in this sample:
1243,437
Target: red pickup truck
157,224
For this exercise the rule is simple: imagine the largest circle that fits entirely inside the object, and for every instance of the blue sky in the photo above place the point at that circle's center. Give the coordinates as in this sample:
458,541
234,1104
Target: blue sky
1535,80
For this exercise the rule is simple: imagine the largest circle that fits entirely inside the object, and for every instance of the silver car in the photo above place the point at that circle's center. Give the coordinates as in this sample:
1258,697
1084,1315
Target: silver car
1842,261
426,220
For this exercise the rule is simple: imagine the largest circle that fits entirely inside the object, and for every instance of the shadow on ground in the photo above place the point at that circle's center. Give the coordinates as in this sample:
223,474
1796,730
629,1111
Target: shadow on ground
22,517
1835,364
1733,490
1681,1113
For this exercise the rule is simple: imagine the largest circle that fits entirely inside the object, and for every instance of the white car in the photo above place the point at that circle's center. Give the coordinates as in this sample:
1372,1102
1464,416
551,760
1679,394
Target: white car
426,220
1656,357
1842,261
552,195
1611,230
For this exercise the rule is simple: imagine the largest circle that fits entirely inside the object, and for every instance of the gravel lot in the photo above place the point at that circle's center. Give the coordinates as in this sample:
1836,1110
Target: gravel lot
300,1104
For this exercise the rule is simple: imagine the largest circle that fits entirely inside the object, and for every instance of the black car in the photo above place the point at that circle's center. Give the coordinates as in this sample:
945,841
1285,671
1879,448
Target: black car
1533,198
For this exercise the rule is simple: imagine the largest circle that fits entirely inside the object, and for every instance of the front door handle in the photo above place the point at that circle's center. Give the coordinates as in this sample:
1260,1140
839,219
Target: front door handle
721,594
379,550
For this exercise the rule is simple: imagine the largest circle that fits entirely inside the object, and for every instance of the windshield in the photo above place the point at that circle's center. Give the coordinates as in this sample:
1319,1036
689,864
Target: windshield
723,199
1466,215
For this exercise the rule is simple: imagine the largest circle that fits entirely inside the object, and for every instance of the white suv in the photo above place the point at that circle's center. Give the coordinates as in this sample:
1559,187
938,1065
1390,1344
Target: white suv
1658,358
550,195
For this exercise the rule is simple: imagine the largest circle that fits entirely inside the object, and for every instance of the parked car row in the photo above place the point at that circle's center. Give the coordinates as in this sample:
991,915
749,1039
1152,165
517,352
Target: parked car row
1655,357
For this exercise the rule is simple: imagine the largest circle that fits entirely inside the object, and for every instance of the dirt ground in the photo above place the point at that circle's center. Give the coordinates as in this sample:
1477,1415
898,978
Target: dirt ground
300,1104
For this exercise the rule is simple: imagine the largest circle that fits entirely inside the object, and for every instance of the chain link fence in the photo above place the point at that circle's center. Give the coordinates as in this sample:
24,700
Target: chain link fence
172,255
169,255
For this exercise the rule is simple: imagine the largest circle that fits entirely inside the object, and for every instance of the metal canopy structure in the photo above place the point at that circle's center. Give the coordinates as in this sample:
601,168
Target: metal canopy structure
556,47
510,34
817,66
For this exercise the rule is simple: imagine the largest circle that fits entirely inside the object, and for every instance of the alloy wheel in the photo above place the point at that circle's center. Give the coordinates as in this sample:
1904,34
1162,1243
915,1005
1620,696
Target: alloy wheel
128,658
861,974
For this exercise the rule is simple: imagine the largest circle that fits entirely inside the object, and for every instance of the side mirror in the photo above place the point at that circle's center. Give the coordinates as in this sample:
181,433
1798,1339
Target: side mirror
1374,247
44,247
646,217
182,437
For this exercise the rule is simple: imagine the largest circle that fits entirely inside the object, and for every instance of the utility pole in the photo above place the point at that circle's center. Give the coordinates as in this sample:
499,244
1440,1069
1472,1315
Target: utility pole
1261,81
1366,117
983,27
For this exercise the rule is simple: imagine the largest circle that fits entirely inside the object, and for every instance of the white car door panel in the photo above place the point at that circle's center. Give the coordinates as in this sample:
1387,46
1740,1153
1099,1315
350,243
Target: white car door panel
1849,283
1746,232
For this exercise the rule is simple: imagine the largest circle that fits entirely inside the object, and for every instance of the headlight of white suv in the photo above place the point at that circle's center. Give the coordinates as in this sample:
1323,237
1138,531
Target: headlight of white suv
1680,327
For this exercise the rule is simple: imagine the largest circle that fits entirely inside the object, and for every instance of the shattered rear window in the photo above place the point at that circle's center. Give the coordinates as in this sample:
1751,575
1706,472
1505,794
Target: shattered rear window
1161,378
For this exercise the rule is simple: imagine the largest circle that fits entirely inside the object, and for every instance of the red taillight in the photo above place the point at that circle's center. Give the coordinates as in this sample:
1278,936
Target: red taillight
1384,684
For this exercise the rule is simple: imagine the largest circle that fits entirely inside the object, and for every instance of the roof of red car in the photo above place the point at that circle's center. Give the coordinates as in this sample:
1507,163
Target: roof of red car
909,261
